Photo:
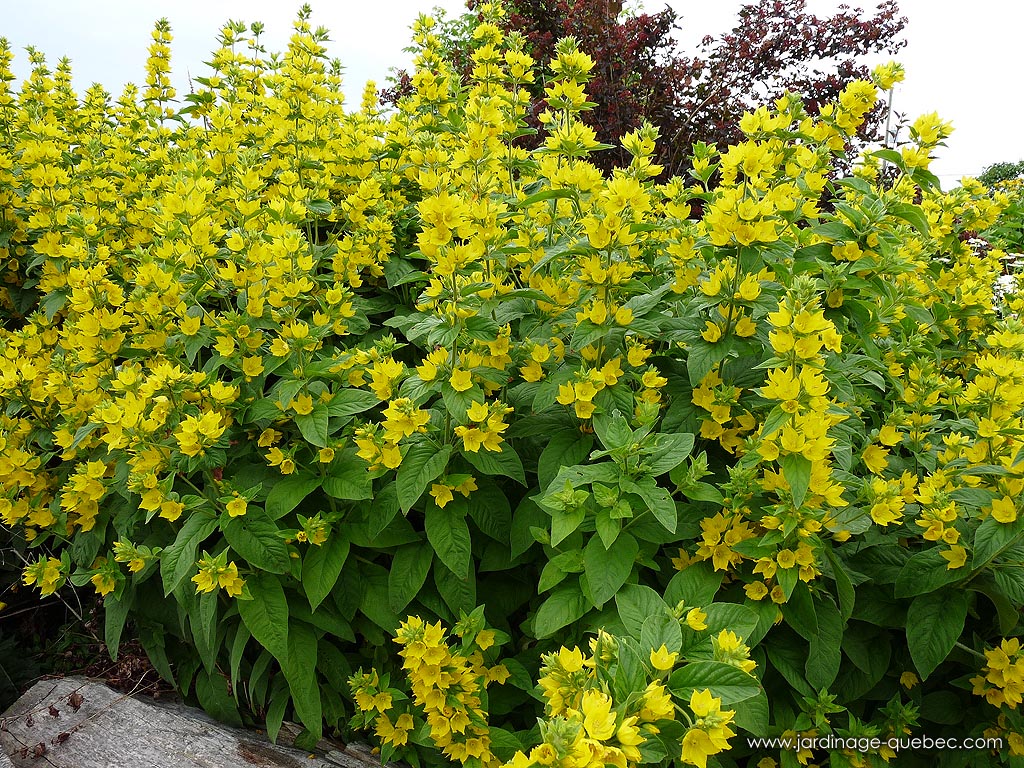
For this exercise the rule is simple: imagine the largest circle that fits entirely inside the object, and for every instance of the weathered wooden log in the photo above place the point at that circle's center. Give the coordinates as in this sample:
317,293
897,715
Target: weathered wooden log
78,723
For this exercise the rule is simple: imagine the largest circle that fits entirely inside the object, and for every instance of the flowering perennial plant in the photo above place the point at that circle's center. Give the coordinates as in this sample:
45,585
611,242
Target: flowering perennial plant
275,374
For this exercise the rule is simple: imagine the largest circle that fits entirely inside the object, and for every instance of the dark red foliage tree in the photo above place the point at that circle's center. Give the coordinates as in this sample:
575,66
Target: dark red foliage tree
639,74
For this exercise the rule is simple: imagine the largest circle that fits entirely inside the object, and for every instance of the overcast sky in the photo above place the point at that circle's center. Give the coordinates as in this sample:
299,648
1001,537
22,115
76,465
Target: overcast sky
962,60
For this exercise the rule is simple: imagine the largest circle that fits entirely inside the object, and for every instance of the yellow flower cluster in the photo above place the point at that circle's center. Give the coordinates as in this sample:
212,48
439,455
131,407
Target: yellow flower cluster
448,690
1002,681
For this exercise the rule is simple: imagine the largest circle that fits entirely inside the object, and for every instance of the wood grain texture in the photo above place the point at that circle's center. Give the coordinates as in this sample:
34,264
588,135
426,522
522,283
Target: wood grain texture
78,723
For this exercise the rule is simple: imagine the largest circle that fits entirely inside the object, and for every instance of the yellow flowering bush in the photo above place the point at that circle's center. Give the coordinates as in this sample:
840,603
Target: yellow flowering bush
276,373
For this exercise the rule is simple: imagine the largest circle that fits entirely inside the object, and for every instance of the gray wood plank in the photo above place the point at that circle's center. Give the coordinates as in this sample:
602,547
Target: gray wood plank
108,729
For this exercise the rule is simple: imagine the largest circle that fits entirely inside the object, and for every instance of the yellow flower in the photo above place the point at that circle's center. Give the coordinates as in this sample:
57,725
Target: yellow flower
461,380
237,506
662,660
1004,510
598,717
875,458
442,494
696,619
956,556
908,680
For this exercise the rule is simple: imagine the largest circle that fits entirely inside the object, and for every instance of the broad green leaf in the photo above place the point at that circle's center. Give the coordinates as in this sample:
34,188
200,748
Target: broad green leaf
322,566
300,671
351,482
672,450
266,615
612,430
725,681
203,619
797,471
408,573
635,603
608,569
448,534
732,616
992,537
925,572
800,614
826,646
564,449
313,425
695,585
420,466
458,592
179,559
565,605
912,214
240,640
934,623
212,692
257,538
288,493
115,613
661,629
348,402
752,714
490,510
506,463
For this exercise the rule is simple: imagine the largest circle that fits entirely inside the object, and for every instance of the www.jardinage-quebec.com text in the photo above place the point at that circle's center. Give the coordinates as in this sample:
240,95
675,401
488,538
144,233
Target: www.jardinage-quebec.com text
866,744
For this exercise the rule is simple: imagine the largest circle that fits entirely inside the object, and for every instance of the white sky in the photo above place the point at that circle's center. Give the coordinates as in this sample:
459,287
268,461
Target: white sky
962,61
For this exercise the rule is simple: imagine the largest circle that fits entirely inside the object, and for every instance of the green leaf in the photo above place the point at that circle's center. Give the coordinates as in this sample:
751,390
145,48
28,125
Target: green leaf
288,492
458,592
635,603
800,614
546,194
300,671
826,646
912,214
179,559
934,623
408,573
257,538
212,692
696,585
506,463
608,569
752,714
661,629
731,616
671,450
844,586
275,712
420,466
238,643
448,534
992,537
490,510
351,482
313,425
564,449
115,613
661,504
613,430
796,468
322,566
725,681
925,572
349,402
266,615
203,619
565,605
